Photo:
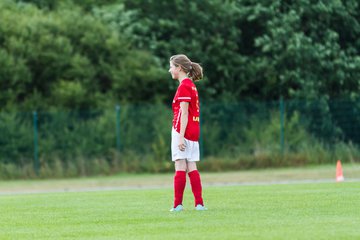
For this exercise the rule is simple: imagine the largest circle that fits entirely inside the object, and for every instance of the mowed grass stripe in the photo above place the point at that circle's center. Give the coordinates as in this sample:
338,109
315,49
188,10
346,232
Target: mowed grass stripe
132,181
300,211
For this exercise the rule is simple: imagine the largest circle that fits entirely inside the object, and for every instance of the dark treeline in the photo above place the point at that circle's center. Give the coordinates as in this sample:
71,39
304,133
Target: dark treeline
89,54
281,86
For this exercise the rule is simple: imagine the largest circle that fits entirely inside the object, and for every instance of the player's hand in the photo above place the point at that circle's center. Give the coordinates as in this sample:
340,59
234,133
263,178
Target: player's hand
182,145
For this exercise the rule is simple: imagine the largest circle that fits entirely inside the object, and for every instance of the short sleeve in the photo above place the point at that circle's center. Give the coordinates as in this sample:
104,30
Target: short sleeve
184,93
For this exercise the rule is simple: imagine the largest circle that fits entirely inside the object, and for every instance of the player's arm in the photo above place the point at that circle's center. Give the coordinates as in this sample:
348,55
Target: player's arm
184,106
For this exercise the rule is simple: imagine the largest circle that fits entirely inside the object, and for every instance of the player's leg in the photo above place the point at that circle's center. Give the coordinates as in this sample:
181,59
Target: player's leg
194,175
178,157
196,185
179,183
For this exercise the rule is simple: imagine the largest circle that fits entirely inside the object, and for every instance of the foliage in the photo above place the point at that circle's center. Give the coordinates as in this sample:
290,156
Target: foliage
66,59
249,49
239,136
259,49
262,50
71,56
16,138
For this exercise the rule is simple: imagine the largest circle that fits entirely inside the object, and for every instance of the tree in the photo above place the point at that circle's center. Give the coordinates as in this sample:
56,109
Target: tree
67,58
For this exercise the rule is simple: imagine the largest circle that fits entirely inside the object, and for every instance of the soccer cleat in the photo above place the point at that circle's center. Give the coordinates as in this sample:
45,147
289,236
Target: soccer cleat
200,207
178,208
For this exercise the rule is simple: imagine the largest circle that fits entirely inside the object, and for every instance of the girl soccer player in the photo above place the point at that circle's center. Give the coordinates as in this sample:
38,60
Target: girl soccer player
186,130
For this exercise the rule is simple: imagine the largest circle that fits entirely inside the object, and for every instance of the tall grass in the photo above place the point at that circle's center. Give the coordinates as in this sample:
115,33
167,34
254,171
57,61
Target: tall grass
84,143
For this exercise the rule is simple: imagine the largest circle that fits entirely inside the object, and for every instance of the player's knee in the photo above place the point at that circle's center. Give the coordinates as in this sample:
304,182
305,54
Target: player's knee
191,166
180,165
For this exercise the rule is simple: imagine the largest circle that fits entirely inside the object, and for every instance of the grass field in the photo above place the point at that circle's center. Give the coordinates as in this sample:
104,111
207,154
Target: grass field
325,210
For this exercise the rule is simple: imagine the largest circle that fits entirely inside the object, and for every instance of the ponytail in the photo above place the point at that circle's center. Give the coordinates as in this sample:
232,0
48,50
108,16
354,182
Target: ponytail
195,72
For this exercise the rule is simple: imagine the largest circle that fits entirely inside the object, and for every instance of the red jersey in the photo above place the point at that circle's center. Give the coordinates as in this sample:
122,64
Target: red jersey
187,92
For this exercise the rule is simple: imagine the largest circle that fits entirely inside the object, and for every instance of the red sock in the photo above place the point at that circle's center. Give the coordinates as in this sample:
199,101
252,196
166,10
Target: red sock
196,188
179,186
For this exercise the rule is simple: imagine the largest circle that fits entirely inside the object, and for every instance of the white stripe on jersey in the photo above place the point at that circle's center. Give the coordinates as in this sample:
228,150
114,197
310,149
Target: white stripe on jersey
184,98
178,119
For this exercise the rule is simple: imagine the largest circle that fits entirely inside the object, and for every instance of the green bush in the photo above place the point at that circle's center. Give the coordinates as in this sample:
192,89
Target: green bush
83,143
67,58
16,138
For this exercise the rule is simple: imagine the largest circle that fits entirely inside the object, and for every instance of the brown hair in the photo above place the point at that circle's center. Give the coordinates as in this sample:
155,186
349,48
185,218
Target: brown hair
192,69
